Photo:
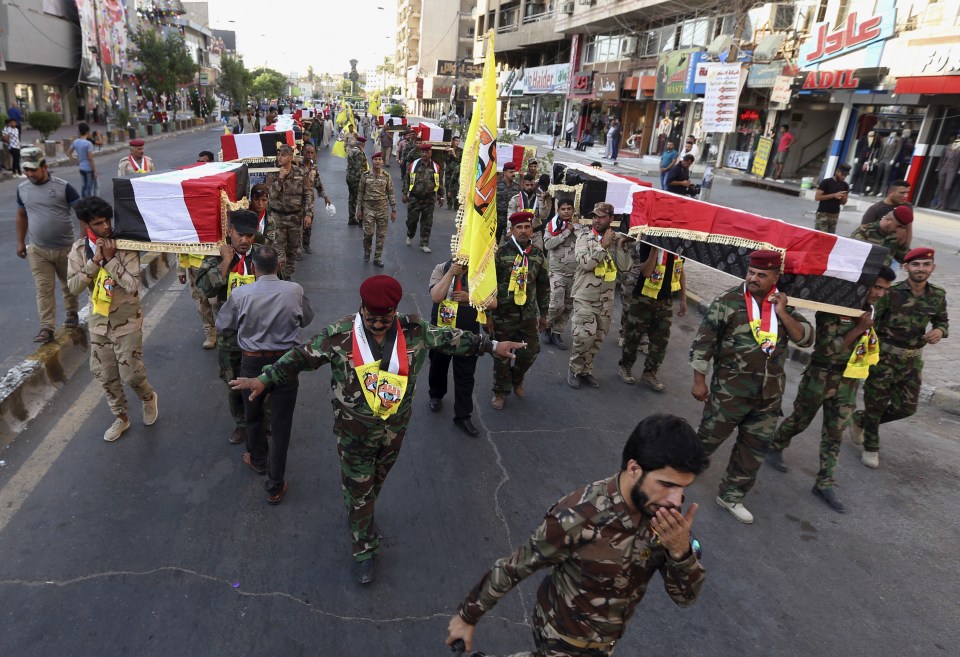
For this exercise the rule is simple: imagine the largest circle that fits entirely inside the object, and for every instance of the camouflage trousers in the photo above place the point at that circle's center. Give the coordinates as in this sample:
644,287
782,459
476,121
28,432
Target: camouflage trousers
548,643
826,222
368,451
652,317
628,283
118,360
561,302
307,232
289,240
890,393
508,374
375,220
228,358
591,321
420,210
354,187
206,307
756,423
452,185
838,397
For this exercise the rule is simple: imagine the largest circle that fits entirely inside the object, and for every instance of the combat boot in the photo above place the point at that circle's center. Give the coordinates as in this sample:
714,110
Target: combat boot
558,342
737,510
830,497
210,337
870,459
497,401
572,379
626,375
546,337
775,460
653,382
363,570
856,432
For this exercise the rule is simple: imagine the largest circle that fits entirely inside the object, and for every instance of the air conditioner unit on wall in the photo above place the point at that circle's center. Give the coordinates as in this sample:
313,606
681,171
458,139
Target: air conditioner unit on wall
628,46
568,7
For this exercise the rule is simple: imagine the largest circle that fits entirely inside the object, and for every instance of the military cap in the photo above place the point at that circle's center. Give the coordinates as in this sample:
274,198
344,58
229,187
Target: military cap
244,221
903,214
380,294
764,259
522,217
919,253
362,140
136,142
425,147
605,208
32,158
376,155
509,166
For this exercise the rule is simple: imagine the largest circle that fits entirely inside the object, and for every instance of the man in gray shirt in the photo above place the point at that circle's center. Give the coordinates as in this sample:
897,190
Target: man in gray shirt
266,316
44,217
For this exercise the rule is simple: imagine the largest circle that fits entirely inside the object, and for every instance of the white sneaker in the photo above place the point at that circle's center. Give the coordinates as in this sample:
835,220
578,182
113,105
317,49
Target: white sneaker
856,432
150,410
737,510
409,241
426,249
870,459
116,429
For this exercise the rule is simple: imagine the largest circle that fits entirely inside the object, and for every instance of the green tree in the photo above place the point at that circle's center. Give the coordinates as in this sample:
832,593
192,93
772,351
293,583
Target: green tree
45,122
165,62
234,80
268,83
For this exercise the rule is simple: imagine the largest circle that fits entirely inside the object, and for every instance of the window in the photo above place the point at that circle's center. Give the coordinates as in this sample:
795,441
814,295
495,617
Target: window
695,32
25,97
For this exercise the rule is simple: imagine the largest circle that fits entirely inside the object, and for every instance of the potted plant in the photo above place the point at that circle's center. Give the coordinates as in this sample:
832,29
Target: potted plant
123,121
46,123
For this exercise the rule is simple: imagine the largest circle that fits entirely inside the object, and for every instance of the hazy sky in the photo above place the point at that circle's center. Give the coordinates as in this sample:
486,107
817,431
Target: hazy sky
327,34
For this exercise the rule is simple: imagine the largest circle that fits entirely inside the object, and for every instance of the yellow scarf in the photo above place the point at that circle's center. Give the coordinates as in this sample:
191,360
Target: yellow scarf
653,282
763,326
866,352
102,293
383,389
188,260
606,270
518,275
239,276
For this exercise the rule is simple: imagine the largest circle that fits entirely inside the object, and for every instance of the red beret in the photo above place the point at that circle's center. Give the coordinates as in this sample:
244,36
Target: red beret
509,166
136,142
425,147
764,259
380,294
522,217
362,140
377,154
903,214
919,253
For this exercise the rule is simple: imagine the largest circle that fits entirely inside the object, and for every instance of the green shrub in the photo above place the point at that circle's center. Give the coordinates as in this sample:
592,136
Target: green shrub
45,123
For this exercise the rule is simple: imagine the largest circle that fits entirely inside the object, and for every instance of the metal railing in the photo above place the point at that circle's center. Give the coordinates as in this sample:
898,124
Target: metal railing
536,18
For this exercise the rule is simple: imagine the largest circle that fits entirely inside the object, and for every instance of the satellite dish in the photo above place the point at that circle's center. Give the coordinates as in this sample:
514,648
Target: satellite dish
719,45
768,48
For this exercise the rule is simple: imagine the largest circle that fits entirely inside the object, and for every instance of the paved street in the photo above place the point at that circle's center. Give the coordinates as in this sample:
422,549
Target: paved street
162,543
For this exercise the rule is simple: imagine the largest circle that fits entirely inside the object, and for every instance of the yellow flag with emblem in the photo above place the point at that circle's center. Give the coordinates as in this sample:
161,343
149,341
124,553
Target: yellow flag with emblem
374,108
475,241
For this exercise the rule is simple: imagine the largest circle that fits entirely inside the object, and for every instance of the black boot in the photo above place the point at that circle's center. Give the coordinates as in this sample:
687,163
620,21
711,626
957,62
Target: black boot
363,570
775,460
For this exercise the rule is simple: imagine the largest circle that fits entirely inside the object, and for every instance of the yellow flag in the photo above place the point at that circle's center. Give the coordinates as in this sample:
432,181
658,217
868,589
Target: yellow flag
339,149
475,241
374,108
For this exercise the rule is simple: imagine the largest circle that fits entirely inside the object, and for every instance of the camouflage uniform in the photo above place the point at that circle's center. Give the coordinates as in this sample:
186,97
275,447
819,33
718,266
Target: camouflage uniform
892,390
314,182
871,233
504,193
518,323
376,201
601,565
451,178
368,445
746,390
289,200
208,312
562,264
592,299
116,341
356,167
649,316
423,188
628,282
823,384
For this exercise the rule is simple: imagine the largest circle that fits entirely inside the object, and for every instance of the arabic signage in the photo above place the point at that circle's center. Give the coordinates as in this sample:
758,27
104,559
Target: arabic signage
673,69
781,92
607,85
859,31
762,156
580,85
763,76
448,67
721,97
553,79
738,160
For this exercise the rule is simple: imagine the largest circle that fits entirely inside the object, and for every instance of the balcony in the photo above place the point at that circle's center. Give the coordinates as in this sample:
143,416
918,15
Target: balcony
535,27
610,14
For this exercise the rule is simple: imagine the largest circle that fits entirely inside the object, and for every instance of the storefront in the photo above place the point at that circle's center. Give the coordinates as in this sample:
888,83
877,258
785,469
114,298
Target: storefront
639,112
544,100
437,91
674,118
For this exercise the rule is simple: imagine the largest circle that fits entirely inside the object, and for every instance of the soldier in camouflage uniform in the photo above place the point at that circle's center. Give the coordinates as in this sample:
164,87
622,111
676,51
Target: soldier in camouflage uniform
892,231
560,241
507,188
116,332
523,297
830,381
289,198
409,154
748,378
375,196
369,442
233,267
424,191
603,543
901,319
651,313
313,181
451,174
356,167
600,254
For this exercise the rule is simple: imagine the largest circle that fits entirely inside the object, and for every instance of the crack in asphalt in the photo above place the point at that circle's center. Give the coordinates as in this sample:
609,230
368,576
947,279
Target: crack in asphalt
230,584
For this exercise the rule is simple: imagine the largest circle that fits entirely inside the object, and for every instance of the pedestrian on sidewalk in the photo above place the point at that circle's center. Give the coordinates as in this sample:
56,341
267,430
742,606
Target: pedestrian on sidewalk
112,276
11,140
603,543
16,116
783,150
81,150
897,195
266,317
568,136
557,131
902,317
43,217
668,158
832,194
613,139
374,357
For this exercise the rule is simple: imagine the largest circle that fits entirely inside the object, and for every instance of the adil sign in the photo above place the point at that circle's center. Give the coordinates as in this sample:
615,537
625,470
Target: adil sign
856,32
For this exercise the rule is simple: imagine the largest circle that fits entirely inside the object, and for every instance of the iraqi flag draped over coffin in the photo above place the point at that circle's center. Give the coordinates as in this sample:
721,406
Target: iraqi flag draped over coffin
821,271
180,211
434,133
388,121
514,153
255,144
588,186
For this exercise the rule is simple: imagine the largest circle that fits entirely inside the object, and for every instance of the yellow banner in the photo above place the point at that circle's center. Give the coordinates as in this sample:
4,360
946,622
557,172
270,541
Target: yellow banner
475,242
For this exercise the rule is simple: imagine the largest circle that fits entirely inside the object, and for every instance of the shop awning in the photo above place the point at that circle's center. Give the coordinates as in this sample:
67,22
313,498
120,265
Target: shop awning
631,83
929,84
648,85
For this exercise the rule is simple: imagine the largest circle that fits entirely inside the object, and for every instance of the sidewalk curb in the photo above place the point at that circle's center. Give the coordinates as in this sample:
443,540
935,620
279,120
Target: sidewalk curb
27,388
